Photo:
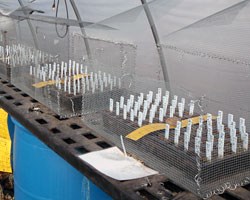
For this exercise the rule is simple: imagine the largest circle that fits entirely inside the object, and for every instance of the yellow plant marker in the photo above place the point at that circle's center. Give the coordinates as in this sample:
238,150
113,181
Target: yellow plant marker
51,82
5,143
150,128
43,84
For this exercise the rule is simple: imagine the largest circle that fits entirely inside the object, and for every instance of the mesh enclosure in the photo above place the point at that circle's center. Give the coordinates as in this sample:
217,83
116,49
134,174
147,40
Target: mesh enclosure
29,69
63,85
213,53
6,49
196,133
48,44
217,49
172,134
115,57
4,68
111,66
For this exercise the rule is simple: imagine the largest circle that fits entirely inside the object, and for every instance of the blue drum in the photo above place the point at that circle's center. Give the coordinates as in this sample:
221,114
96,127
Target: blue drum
40,174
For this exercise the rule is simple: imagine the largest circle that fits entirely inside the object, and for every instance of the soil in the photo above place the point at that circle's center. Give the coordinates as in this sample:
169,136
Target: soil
6,186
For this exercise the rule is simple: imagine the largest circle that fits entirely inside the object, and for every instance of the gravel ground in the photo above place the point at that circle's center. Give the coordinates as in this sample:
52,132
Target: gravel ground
6,186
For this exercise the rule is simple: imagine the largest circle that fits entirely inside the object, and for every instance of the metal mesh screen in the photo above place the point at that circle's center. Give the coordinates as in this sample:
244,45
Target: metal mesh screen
29,71
15,55
197,150
196,133
213,56
105,72
115,57
63,85
6,49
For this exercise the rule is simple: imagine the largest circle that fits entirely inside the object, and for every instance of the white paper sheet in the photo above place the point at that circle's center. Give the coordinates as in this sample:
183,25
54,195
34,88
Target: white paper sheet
114,164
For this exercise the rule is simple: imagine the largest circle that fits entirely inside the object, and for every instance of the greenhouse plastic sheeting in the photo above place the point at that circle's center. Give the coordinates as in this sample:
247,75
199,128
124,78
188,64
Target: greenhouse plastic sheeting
188,96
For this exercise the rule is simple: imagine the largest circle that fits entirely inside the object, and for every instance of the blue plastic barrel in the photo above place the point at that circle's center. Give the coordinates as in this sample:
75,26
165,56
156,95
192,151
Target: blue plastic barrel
40,174
11,128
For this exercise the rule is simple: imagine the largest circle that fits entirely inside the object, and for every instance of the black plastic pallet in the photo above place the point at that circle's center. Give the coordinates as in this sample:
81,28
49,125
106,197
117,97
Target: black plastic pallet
70,138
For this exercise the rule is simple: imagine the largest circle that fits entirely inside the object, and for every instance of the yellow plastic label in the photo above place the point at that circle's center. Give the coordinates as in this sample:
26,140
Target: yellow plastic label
150,128
5,143
51,82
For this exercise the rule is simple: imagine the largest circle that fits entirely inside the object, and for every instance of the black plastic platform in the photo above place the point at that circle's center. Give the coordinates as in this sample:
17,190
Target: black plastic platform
70,138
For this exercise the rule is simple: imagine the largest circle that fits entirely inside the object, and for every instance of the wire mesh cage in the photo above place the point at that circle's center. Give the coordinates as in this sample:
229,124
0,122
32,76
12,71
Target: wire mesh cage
29,69
7,38
111,70
172,134
196,131
92,80
5,53
63,84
